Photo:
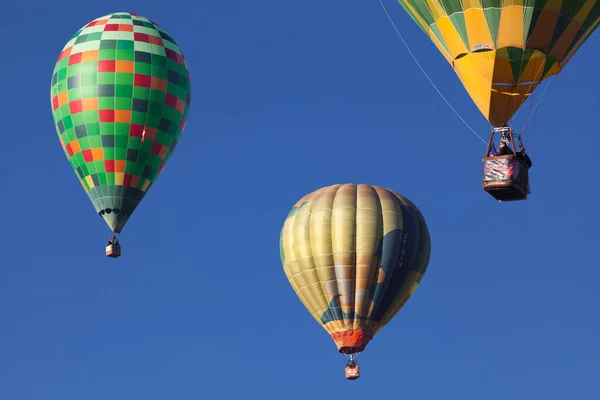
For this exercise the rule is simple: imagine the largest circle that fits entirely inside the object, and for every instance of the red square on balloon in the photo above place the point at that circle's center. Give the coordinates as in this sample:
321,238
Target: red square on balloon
142,80
127,180
75,58
109,165
76,106
106,115
87,155
156,148
136,130
107,65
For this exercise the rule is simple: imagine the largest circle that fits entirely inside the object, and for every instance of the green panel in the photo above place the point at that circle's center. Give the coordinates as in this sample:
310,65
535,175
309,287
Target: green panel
121,141
106,103
129,167
531,15
77,119
458,20
122,129
550,62
92,168
74,70
141,92
120,153
592,20
518,60
451,6
93,131
91,121
89,91
108,153
144,69
84,144
488,4
561,25
107,54
124,78
570,8
107,128
421,9
74,94
122,103
107,78
492,16
125,49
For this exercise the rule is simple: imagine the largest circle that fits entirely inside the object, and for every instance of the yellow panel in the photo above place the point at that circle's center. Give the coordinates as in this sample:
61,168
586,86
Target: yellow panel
119,178
89,181
510,31
469,4
503,72
343,232
305,276
322,249
292,267
553,71
475,72
453,40
554,5
533,69
477,28
437,10
584,11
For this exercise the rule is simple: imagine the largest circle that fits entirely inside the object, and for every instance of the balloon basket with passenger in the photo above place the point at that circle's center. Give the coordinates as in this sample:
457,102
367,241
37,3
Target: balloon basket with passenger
506,171
352,369
113,249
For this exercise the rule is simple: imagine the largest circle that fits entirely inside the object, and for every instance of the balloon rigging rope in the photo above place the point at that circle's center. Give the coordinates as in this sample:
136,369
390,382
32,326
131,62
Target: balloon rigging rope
536,105
425,73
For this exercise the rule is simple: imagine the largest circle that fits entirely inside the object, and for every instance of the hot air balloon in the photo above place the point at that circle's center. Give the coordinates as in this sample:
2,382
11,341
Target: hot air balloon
501,51
354,255
120,99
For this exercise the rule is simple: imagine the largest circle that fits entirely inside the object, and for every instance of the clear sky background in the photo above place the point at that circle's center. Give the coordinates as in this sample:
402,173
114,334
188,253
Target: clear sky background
288,97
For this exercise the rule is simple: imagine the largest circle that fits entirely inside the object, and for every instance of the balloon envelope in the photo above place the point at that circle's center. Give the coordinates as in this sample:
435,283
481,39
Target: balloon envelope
502,50
120,98
354,254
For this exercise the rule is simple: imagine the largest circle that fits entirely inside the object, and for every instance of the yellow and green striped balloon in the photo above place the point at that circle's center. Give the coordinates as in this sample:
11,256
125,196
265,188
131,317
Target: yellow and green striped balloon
502,49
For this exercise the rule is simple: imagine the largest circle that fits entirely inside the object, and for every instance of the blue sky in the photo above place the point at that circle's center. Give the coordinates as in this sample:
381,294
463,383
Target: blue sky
289,97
